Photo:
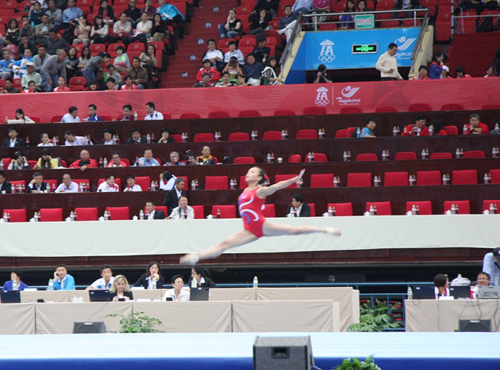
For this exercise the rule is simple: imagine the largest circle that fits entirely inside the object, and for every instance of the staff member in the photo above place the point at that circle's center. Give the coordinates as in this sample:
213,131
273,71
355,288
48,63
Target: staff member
491,265
299,208
387,64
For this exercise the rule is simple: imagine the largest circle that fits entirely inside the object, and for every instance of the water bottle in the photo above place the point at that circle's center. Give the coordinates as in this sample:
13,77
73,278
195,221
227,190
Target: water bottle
193,185
135,116
283,135
153,137
14,285
410,293
394,131
51,284
72,216
141,215
321,133
358,132
148,138
194,283
105,162
153,186
464,130
153,283
255,282
218,213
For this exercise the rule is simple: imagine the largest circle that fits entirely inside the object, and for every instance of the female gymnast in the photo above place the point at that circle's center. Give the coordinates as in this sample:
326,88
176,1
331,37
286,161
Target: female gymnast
255,225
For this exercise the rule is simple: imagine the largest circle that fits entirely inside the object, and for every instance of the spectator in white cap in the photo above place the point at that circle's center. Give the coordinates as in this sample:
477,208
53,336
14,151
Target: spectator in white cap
31,75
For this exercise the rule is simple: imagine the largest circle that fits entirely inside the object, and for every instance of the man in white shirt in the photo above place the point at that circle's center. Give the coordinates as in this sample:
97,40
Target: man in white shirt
147,160
387,64
214,55
72,116
106,280
153,213
152,114
72,140
67,185
131,185
183,212
109,186
167,181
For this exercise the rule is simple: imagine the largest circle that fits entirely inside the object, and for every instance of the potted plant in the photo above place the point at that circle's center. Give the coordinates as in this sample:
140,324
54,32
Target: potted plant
137,322
376,318
355,364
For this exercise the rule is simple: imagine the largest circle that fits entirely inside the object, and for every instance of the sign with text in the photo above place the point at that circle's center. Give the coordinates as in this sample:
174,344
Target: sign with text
364,21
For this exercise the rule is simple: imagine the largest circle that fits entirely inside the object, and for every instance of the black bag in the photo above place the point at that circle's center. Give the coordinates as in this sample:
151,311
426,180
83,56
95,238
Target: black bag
484,25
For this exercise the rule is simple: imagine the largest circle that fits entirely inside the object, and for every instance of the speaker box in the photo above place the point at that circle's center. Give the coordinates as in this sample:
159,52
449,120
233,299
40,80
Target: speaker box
474,325
89,327
282,353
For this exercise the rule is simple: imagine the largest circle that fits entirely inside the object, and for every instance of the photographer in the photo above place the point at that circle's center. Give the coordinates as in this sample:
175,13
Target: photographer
322,76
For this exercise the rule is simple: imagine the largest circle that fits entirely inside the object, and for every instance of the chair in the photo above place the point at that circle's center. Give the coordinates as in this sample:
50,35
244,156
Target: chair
419,107
312,206
351,110
441,155
428,178
463,206
16,183
318,157
385,110
244,160
452,107
52,184
271,135
451,130
239,136
424,207
295,158
32,163
225,211
383,208
341,134
198,212
119,213
56,119
249,113
366,157
144,182
405,156
136,46
190,116
248,41
216,183
314,111
177,138
486,204
97,48
243,183
203,137
342,209
474,154
269,210
279,178
16,215
464,177
87,214
6,162
221,113
51,214
350,131
322,180
306,134
396,179
495,176
284,112
363,179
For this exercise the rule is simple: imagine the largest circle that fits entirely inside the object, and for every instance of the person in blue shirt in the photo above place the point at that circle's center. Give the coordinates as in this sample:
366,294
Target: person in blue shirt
19,67
436,68
70,14
5,65
371,123
170,12
15,276
63,280
147,160
93,117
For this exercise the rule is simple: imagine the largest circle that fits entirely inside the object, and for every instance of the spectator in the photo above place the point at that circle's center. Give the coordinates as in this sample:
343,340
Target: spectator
205,81
168,11
214,55
109,185
323,6
388,65
271,6
436,68
18,162
287,22
261,52
183,211
71,116
71,13
84,162
136,138
72,140
45,140
159,30
150,10
35,18
417,129
13,31
111,84
242,81
54,14
121,30
233,52
46,162
129,86
52,69
202,277
14,141
11,46
299,208
460,71
422,73
93,117
94,66
367,131
9,88
208,69
167,180
149,60
116,161
37,185
147,160
475,126
63,280
446,72
114,74
106,13
441,286
165,137
302,7
40,59
347,20
151,113
122,62
172,198
231,28
142,30
205,158
5,69
154,214
100,31
177,293
61,85
491,263
93,86
437,128
490,72
19,67
42,30
483,279
26,43
67,186
175,160
82,31
31,75
133,13
127,113
269,73
233,69
252,70
16,275
20,117
106,280
258,23
120,291
107,137
55,43
131,185
139,74
225,81
152,279
31,88
5,186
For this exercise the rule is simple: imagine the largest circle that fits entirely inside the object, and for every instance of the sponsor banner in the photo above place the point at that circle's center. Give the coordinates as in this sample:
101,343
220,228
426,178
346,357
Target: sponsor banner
364,21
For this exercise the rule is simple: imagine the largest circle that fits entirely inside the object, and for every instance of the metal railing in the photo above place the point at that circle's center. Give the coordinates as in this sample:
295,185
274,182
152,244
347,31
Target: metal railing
423,29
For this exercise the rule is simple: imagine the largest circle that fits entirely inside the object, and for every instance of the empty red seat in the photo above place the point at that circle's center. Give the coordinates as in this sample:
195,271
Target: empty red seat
359,179
226,211
341,134
487,203
419,107
249,113
451,130
314,111
244,160
56,119
312,206
243,183
143,181
405,156
279,178
366,157
16,215
428,178
385,110
383,208
119,213
322,180
318,157
87,214
474,154
203,137
442,155
97,48
464,177
452,107
341,209
351,110
239,136
424,206
396,179
495,176
307,134
294,158
463,206
51,214
190,116
269,210
284,112
272,135
216,183
198,212
6,162
219,114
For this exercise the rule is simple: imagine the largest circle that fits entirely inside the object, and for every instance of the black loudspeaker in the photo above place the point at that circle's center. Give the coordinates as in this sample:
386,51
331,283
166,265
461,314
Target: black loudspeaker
89,327
282,353
474,325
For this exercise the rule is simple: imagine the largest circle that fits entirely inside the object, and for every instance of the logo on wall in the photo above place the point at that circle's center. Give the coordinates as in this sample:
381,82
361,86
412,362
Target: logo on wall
404,44
347,96
326,55
322,97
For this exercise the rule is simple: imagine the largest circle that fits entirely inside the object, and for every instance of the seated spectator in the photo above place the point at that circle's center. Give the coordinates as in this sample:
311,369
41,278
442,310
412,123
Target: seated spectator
177,293
252,70
71,116
61,85
55,43
114,74
19,67
460,71
18,162
94,66
93,117
323,6
107,137
475,126
213,55
436,68
287,22
367,131
128,84
302,7
84,59
71,139
5,69
441,286
147,160
120,291
271,6
233,68
54,14
150,10
259,23
82,31
153,213
20,117
208,69
9,88
261,52
205,158
31,88
45,140
37,185
71,13
62,280
52,69
135,137
225,81
15,282
116,161
234,53
422,74
299,208
170,12
93,86
131,185
165,137
231,28
159,30
106,280
26,43
13,140
437,128
111,84
67,186
121,30
133,13
5,186
100,31
142,30
150,61
175,160
46,162
11,45
347,20
152,114
109,185
202,277
242,81
35,17
417,129
490,72
152,279
127,113
84,162
122,62
72,62
167,180
269,76
183,211
31,75
106,13
172,198
139,74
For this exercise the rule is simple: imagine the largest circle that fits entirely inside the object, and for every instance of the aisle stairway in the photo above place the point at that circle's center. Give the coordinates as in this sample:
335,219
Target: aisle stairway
181,63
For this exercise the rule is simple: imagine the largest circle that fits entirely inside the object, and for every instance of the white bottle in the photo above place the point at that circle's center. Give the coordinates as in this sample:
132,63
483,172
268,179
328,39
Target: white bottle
141,215
14,285
135,116
255,282
194,283
410,293
153,283
51,284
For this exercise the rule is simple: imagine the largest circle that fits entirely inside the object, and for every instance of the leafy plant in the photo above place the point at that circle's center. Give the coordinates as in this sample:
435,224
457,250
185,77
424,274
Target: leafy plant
375,318
137,322
355,364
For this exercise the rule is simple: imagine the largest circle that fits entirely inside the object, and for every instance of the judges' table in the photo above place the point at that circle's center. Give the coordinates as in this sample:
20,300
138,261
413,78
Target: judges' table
17,318
442,315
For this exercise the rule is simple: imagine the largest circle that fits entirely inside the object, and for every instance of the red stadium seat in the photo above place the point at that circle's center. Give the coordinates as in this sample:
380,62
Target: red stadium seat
97,48
177,138
294,158
359,179
51,214
350,131
32,164
279,178
119,213
216,183
6,162
405,156
432,178
486,204
225,211
342,209
136,46
312,206
249,113
424,207
284,112
56,119
314,111
385,110
463,206
452,107
243,183
244,160
198,212
443,155
271,135
389,24
474,154
203,137
464,177
87,214
239,136
16,215
318,157
383,208
322,180
341,134
247,41
269,210
495,176
190,116
143,181
112,49
307,134
16,183
224,43
451,130
396,179
419,107
220,113
366,157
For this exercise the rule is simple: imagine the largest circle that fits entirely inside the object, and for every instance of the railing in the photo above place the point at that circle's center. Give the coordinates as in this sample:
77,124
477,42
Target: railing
423,29
458,21
290,42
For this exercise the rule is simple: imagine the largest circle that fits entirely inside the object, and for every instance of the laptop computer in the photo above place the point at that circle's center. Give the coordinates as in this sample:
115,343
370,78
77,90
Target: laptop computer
101,295
423,292
460,292
11,296
486,292
200,294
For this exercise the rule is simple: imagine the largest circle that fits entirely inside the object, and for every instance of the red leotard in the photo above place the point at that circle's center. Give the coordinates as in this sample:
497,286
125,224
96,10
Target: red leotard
250,207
